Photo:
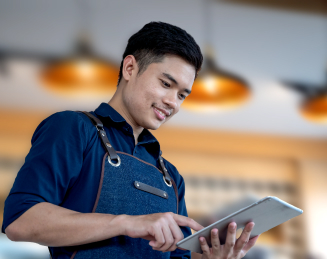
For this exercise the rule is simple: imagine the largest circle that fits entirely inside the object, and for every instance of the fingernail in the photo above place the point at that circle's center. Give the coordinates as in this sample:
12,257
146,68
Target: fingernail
202,239
233,226
215,231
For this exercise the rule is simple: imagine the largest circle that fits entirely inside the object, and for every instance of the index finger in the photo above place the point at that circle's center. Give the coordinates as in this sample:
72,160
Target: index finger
187,222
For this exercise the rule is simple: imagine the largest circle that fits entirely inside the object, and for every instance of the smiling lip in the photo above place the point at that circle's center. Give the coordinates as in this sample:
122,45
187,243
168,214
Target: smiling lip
160,113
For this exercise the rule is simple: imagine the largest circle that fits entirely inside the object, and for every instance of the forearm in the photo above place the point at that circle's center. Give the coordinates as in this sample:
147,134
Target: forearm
51,225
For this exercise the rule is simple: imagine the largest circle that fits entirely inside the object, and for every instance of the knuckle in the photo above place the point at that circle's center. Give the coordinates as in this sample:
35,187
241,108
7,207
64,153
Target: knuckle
231,231
230,244
245,241
204,245
167,215
170,241
157,224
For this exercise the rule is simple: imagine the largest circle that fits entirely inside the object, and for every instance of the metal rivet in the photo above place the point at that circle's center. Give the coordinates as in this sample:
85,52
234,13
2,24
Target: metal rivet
165,194
108,145
103,134
137,184
165,170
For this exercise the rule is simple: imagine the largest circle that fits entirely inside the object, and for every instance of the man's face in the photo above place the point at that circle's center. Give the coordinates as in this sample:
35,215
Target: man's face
156,95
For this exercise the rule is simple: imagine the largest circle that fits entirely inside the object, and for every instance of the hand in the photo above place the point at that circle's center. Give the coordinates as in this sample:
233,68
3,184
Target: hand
231,249
162,229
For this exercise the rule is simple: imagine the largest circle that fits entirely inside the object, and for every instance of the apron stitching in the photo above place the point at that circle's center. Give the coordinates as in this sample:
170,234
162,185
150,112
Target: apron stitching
140,160
100,184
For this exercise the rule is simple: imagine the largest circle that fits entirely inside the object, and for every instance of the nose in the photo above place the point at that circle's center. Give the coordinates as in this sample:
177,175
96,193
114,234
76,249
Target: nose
171,100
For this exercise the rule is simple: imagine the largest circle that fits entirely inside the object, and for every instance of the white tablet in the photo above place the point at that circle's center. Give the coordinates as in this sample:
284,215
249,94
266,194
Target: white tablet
267,213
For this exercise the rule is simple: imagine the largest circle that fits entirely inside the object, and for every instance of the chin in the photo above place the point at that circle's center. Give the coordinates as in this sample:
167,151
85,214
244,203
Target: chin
153,126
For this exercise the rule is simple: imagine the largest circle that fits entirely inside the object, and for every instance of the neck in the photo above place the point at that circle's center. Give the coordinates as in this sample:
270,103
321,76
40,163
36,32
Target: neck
117,104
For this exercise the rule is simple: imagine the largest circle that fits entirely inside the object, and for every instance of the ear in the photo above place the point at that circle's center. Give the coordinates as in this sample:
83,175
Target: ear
130,67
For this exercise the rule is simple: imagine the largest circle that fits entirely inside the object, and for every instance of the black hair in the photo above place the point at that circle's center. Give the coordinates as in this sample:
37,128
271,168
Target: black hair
158,39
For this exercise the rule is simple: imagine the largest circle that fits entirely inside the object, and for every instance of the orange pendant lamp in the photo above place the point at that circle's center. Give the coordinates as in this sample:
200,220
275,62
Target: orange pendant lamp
314,104
216,89
81,74
315,109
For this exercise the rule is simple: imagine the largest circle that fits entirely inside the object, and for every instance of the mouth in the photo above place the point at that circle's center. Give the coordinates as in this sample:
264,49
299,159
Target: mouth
161,114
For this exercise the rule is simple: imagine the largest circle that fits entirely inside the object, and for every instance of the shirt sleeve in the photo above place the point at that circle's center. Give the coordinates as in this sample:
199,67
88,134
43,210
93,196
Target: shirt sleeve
178,253
51,166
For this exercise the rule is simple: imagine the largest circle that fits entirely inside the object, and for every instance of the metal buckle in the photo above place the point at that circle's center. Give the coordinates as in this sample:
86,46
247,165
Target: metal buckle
99,128
168,184
113,164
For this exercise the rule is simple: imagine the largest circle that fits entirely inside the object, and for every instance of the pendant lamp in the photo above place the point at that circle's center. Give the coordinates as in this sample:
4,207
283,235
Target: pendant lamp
314,100
216,89
315,109
82,73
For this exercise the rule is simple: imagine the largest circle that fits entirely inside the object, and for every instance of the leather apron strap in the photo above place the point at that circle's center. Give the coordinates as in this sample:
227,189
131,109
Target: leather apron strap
104,139
112,153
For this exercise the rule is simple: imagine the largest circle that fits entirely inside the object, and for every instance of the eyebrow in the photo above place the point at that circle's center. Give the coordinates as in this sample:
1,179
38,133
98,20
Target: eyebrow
174,80
170,78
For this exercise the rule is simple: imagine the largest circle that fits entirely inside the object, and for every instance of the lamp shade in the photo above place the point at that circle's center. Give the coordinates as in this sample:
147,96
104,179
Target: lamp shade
315,109
80,75
216,89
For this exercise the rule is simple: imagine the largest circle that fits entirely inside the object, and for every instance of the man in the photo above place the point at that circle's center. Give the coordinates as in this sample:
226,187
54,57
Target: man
111,195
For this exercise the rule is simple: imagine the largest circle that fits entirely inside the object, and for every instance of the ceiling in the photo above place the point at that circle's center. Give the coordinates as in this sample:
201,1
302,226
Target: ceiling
304,6
260,44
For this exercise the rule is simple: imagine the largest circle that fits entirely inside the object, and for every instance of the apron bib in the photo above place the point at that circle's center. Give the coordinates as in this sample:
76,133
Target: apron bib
129,185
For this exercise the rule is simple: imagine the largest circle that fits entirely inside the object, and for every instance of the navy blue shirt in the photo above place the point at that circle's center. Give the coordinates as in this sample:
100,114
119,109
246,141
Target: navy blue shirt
64,164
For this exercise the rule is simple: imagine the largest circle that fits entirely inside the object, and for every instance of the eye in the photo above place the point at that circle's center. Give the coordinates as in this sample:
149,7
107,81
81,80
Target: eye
165,83
182,96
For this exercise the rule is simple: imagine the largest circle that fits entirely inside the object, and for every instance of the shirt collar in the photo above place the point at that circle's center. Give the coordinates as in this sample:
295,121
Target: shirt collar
108,113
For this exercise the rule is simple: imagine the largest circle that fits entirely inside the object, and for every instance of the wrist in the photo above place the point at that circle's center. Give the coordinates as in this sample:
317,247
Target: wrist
122,221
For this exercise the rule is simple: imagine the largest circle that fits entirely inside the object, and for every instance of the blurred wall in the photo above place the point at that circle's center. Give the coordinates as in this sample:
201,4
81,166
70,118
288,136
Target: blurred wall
263,148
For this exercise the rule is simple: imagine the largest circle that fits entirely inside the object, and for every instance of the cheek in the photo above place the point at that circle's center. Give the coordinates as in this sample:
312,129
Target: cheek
142,97
152,94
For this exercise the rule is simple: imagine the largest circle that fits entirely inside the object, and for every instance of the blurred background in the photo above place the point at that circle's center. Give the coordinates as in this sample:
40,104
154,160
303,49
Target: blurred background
255,124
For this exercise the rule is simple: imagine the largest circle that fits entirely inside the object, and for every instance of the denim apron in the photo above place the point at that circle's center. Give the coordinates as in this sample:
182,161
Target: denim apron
129,186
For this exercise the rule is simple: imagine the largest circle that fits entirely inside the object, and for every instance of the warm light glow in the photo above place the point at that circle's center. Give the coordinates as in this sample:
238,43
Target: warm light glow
81,76
211,83
86,70
315,109
212,92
